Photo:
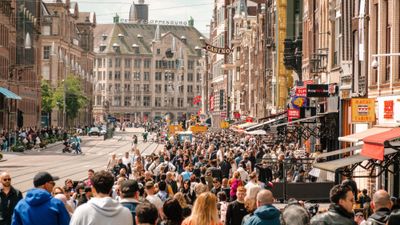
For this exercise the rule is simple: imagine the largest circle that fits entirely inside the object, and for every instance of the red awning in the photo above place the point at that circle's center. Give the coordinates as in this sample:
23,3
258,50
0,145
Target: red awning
374,145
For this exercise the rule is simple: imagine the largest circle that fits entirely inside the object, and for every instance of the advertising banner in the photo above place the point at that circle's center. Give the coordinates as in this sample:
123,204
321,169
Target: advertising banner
317,90
362,110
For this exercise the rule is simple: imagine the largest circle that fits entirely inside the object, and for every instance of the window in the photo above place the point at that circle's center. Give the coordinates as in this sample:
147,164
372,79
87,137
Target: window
100,62
117,101
166,88
157,101
158,76
46,52
117,75
110,87
146,101
190,77
127,75
136,88
190,89
117,88
198,89
158,51
159,64
137,100
99,77
127,101
137,63
198,77
136,76
169,76
190,101
180,102
146,87
127,88
181,89
169,101
110,75
110,63
146,76
117,62
190,64
128,63
157,88
147,63
388,39
98,100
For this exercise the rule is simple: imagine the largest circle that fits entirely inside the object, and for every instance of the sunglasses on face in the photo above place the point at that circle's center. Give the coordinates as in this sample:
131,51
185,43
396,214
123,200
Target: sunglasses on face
7,179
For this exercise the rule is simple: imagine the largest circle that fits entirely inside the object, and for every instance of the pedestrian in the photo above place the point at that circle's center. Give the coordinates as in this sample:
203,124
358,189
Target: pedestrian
172,211
205,211
39,207
295,215
341,209
146,214
382,206
152,197
88,182
9,197
112,162
186,208
265,213
134,142
394,218
77,140
101,209
236,209
129,190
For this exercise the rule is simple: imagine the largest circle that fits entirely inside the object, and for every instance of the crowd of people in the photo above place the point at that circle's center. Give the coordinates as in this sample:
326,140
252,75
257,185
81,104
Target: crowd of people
219,178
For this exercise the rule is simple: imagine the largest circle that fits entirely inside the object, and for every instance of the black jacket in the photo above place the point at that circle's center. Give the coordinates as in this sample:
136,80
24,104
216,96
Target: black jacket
380,217
235,213
336,215
7,205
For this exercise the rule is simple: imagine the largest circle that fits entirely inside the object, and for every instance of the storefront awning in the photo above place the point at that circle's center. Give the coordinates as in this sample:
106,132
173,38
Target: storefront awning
256,132
357,137
340,151
374,145
353,161
298,121
261,124
9,94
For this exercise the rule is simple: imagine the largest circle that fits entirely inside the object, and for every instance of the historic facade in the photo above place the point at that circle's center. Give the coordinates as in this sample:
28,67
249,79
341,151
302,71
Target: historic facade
67,42
145,72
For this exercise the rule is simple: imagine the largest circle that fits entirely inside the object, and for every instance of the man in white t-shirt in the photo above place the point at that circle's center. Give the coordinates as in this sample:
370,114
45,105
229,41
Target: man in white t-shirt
151,195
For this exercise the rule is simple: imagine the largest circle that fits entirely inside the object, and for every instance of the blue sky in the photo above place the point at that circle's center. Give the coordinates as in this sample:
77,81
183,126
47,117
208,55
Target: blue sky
177,10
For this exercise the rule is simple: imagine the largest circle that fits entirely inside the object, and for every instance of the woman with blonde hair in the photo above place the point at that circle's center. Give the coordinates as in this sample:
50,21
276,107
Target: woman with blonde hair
186,209
204,211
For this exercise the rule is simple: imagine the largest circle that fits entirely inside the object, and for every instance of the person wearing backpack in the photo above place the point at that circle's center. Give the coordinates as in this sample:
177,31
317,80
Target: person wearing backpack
130,196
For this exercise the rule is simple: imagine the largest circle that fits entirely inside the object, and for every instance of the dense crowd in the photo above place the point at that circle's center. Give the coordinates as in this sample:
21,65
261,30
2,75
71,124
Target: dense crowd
217,178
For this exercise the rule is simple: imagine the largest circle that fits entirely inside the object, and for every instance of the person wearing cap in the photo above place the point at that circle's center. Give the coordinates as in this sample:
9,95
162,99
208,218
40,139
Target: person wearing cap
39,207
102,209
130,196
151,195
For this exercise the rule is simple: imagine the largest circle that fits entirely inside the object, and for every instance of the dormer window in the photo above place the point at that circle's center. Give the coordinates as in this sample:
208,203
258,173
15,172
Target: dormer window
104,36
121,36
102,47
116,47
183,39
135,48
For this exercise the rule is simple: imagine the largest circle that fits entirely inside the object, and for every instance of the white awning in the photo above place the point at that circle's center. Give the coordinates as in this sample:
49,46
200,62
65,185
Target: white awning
298,121
262,124
257,132
357,137
340,151
333,165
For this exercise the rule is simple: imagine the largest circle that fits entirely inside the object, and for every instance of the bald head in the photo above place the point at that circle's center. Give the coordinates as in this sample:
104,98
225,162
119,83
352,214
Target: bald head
264,197
381,199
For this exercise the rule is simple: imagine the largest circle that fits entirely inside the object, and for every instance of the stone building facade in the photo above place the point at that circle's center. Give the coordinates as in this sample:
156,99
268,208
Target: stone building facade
146,72
67,48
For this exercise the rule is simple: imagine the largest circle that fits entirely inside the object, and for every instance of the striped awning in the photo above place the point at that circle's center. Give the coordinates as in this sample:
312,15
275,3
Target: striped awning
9,94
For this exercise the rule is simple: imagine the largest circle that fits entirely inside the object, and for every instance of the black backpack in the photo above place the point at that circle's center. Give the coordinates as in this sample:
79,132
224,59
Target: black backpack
132,208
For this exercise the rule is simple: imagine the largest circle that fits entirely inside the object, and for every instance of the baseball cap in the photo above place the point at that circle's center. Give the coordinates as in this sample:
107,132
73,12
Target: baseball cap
42,178
129,187
149,184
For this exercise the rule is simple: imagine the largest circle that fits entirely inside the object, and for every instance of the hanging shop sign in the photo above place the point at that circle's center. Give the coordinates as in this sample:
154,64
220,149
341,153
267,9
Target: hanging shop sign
301,91
388,109
362,110
212,103
217,50
298,102
317,90
293,114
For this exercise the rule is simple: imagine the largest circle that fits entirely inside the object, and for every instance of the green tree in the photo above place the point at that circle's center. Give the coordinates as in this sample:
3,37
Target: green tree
47,97
74,97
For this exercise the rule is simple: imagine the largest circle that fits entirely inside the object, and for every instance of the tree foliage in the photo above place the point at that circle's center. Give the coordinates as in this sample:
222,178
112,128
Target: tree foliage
47,92
74,96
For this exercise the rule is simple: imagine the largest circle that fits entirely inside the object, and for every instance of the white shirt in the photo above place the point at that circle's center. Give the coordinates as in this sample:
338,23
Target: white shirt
125,160
155,200
244,176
